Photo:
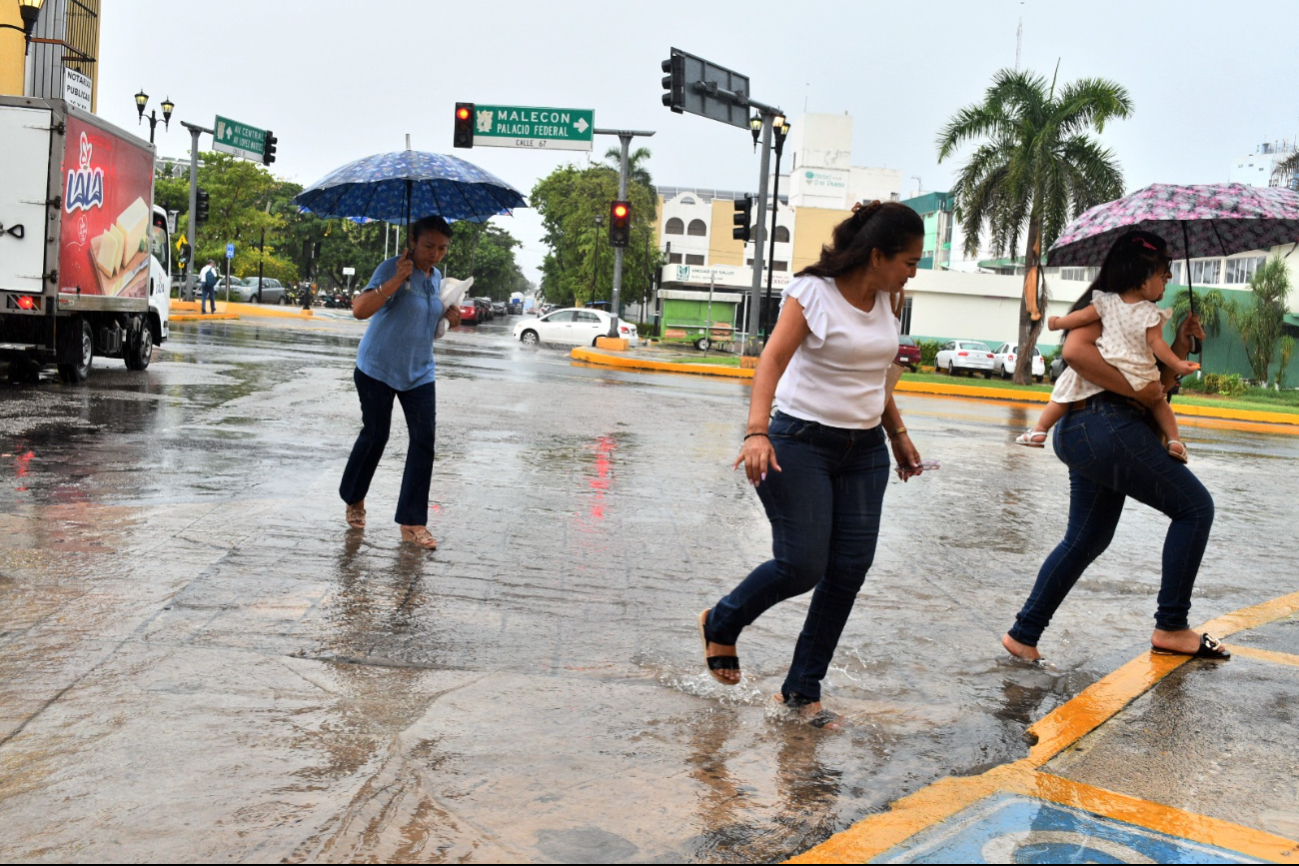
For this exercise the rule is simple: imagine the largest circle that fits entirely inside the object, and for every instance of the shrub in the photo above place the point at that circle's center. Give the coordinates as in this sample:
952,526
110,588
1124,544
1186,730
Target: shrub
1226,384
928,351
646,329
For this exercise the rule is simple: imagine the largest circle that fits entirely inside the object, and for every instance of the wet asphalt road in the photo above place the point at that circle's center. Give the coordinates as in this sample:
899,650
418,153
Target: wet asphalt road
199,662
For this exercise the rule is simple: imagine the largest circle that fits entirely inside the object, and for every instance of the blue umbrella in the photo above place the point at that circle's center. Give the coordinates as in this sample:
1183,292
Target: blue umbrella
397,186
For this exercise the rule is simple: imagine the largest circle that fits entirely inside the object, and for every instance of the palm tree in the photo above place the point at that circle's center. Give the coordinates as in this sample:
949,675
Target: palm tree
1286,172
636,170
1035,169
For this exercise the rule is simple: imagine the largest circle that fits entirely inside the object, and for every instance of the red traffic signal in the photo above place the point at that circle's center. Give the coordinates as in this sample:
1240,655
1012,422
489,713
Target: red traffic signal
620,224
464,130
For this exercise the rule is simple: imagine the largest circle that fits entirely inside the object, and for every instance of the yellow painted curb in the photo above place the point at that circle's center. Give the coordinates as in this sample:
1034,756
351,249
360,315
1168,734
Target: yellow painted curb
204,317
605,360
617,344
1061,728
986,393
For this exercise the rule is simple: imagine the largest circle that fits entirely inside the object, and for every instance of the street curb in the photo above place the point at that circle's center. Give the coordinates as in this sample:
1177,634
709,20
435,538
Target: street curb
592,356
204,317
237,310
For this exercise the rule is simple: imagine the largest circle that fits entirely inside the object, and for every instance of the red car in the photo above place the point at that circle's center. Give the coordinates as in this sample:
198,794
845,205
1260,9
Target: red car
468,313
908,354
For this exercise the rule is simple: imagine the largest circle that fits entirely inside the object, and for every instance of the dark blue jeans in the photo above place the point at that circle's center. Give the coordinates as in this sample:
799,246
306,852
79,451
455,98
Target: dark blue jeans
1112,453
208,297
824,510
420,409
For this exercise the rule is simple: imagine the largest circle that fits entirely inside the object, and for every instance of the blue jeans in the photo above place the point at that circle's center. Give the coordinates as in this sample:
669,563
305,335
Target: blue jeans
1112,453
420,408
209,295
824,510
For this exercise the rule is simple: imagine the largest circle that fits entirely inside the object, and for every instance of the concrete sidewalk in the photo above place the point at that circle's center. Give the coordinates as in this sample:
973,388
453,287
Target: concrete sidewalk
1165,760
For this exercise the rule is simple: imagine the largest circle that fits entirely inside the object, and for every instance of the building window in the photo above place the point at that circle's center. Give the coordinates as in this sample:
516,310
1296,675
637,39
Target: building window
1243,270
1083,274
905,322
778,265
1205,272
694,260
698,228
674,258
782,235
685,199
674,226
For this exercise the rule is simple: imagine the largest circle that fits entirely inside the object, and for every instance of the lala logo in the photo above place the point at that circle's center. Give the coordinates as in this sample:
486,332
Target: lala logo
85,184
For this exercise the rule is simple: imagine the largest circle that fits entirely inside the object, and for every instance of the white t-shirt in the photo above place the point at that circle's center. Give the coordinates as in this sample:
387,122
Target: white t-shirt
837,374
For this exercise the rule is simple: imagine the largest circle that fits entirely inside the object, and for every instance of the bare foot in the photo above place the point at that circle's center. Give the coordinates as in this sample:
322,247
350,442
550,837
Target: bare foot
1182,641
1021,651
717,649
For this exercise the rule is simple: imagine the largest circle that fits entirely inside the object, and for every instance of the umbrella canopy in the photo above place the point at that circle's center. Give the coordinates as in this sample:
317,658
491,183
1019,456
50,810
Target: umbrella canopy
1196,220
404,185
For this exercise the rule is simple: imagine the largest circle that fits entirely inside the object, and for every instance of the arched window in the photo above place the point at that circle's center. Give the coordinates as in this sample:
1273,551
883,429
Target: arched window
674,227
685,199
782,235
698,228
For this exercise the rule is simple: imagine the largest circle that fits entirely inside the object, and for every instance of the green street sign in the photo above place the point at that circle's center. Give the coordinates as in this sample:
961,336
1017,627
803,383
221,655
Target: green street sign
531,127
238,139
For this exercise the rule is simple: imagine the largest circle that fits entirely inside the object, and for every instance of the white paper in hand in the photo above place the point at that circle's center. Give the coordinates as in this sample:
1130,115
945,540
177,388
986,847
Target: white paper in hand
452,293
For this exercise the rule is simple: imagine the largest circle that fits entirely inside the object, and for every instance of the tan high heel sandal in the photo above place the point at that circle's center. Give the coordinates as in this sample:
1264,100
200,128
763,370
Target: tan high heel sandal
419,535
356,515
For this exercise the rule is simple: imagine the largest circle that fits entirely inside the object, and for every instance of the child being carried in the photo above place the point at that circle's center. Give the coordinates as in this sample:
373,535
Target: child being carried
1132,339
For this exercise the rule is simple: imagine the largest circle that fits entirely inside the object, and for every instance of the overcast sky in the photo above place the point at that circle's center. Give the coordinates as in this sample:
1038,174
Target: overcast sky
340,80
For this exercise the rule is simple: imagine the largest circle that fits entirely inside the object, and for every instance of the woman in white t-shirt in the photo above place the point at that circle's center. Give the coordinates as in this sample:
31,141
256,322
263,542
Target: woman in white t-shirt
820,465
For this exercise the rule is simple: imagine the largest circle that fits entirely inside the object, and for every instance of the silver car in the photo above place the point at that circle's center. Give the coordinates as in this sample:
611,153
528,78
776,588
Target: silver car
272,291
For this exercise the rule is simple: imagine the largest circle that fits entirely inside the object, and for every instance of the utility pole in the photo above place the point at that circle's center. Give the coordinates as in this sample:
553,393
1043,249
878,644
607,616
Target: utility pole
194,131
624,137
780,130
261,260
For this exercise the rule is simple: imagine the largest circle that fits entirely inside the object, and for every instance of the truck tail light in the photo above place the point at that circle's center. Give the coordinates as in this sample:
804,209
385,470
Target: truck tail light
25,302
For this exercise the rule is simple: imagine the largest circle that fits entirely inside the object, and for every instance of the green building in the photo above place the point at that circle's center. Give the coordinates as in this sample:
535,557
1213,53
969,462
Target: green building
935,208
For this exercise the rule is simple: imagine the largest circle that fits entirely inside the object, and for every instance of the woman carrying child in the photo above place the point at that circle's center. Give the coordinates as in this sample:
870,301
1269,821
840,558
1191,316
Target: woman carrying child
1112,452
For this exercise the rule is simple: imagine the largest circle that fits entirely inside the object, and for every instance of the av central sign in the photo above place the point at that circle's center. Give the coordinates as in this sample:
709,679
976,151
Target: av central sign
533,127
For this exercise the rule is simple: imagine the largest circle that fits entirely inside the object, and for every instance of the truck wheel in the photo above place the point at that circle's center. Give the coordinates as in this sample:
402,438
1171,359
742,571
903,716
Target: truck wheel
703,344
74,373
139,348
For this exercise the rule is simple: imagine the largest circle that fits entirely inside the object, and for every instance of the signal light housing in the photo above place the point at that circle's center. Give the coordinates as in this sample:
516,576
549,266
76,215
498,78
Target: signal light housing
743,219
464,128
674,82
268,148
202,203
619,223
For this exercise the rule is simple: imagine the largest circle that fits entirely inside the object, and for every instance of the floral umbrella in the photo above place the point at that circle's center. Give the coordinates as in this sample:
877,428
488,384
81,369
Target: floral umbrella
405,184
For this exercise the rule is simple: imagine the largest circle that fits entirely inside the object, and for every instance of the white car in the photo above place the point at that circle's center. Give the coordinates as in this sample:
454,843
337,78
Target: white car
572,326
965,356
1003,362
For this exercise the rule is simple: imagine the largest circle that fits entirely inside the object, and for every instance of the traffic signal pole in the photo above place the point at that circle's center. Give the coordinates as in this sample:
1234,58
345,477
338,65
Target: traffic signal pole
752,345
194,131
624,136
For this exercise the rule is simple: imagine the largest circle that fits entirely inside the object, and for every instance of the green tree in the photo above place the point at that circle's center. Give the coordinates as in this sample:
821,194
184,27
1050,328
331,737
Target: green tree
637,170
579,266
1034,169
1262,323
485,252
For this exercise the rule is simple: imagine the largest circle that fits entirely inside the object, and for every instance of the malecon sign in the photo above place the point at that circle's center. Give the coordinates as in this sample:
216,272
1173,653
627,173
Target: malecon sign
530,127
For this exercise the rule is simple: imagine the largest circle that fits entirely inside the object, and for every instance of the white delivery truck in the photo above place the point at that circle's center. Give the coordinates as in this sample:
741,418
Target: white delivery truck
84,253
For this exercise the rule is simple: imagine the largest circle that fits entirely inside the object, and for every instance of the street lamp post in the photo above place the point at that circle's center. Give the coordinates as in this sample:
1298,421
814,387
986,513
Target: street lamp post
141,100
30,11
781,129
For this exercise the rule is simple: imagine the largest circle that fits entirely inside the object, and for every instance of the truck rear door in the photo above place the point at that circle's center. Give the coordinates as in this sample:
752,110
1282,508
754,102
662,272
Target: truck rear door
24,181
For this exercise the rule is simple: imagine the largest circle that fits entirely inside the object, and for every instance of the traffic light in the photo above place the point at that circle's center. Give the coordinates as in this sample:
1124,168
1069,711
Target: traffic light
201,206
743,219
268,148
674,82
464,135
620,224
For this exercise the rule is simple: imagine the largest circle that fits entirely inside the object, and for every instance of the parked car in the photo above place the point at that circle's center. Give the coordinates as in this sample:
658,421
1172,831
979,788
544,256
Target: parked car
468,312
499,308
484,309
965,356
272,291
1058,366
908,354
572,327
1003,361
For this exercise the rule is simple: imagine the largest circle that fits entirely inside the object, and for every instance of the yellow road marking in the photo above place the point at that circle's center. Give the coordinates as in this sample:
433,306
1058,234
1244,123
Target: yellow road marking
1063,727
1263,655
602,360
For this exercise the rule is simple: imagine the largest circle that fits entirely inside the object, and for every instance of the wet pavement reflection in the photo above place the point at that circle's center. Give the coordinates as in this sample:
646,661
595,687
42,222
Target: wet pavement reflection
198,660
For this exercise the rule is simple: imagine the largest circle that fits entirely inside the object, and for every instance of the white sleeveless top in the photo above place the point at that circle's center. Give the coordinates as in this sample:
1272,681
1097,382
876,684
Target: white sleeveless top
837,374
1122,344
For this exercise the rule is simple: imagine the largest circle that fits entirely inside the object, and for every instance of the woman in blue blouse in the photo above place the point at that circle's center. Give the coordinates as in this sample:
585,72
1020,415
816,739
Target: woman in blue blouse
396,360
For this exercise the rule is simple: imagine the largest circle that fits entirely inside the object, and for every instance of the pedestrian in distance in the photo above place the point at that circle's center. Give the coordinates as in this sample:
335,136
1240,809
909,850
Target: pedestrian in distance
395,360
821,464
208,278
1132,339
1113,450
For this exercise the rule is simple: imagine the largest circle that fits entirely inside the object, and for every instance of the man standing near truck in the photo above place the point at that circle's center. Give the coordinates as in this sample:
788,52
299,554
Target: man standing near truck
208,277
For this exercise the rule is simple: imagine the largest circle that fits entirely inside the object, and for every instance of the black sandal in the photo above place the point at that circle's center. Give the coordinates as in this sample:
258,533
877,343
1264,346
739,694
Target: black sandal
1210,648
717,663
823,717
